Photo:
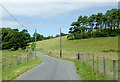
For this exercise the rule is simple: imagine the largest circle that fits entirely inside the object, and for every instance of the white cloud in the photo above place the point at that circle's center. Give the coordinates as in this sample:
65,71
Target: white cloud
0,17
47,10
12,24
49,24
60,1
44,10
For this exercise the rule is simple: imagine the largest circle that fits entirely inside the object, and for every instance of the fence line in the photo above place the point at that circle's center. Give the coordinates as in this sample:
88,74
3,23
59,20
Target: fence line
97,63
81,57
17,59
114,70
104,65
8,60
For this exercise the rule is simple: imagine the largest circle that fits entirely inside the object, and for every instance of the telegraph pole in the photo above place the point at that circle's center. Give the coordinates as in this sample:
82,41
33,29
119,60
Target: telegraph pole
35,42
60,44
43,45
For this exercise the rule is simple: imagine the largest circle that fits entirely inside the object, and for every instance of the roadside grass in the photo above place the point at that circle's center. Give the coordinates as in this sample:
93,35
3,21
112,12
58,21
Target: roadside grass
85,71
10,73
0,65
12,54
103,46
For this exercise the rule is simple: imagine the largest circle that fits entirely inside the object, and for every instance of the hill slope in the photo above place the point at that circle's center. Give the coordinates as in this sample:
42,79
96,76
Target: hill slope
104,46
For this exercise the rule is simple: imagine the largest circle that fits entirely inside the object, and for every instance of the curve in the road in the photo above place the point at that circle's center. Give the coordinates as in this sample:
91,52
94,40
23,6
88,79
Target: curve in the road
52,69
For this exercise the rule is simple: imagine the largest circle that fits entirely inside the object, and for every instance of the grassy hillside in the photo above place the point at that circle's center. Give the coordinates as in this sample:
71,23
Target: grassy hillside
104,46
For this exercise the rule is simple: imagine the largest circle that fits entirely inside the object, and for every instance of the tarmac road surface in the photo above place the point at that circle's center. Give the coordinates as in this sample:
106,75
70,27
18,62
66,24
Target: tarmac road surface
51,69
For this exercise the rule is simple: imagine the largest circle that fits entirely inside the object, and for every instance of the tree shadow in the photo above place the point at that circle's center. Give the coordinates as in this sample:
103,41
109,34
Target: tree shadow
111,50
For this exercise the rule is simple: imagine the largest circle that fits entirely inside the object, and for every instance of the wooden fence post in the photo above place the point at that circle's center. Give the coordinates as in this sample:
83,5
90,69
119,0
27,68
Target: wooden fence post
22,58
97,63
114,70
86,60
29,57
26,57
83,57
50,52
16,59
104,65
78,56
33,55
93,62
8,60
89,60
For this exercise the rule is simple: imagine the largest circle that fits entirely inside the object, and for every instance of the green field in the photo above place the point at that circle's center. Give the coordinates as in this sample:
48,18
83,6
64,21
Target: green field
11,69
104,46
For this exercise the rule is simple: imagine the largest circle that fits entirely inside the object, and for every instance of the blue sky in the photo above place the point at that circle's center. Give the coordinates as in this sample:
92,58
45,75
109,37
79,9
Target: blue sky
48,17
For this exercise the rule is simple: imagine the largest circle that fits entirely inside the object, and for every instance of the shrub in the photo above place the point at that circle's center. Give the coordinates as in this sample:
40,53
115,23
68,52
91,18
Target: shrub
112,34
84,35
70,37
100,34
33,46
95,34
89,35
78,36
106,34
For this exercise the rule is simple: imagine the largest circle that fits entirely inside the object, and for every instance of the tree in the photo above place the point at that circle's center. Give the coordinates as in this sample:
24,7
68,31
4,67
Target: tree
57,35
38,37
63,34
104,21
13,39
84,25
91,21
99,21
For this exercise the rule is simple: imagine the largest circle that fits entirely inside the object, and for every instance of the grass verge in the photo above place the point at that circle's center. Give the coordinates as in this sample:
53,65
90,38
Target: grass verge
16,70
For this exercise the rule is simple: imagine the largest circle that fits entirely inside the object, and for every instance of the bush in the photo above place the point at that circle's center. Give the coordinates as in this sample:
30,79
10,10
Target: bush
112,34
6,45
95,34
100,34
33,46
70,37
106,34
78,36
84,35
88,35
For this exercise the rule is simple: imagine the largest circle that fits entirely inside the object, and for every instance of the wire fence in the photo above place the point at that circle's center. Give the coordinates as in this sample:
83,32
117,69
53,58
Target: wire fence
102,65
14,60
